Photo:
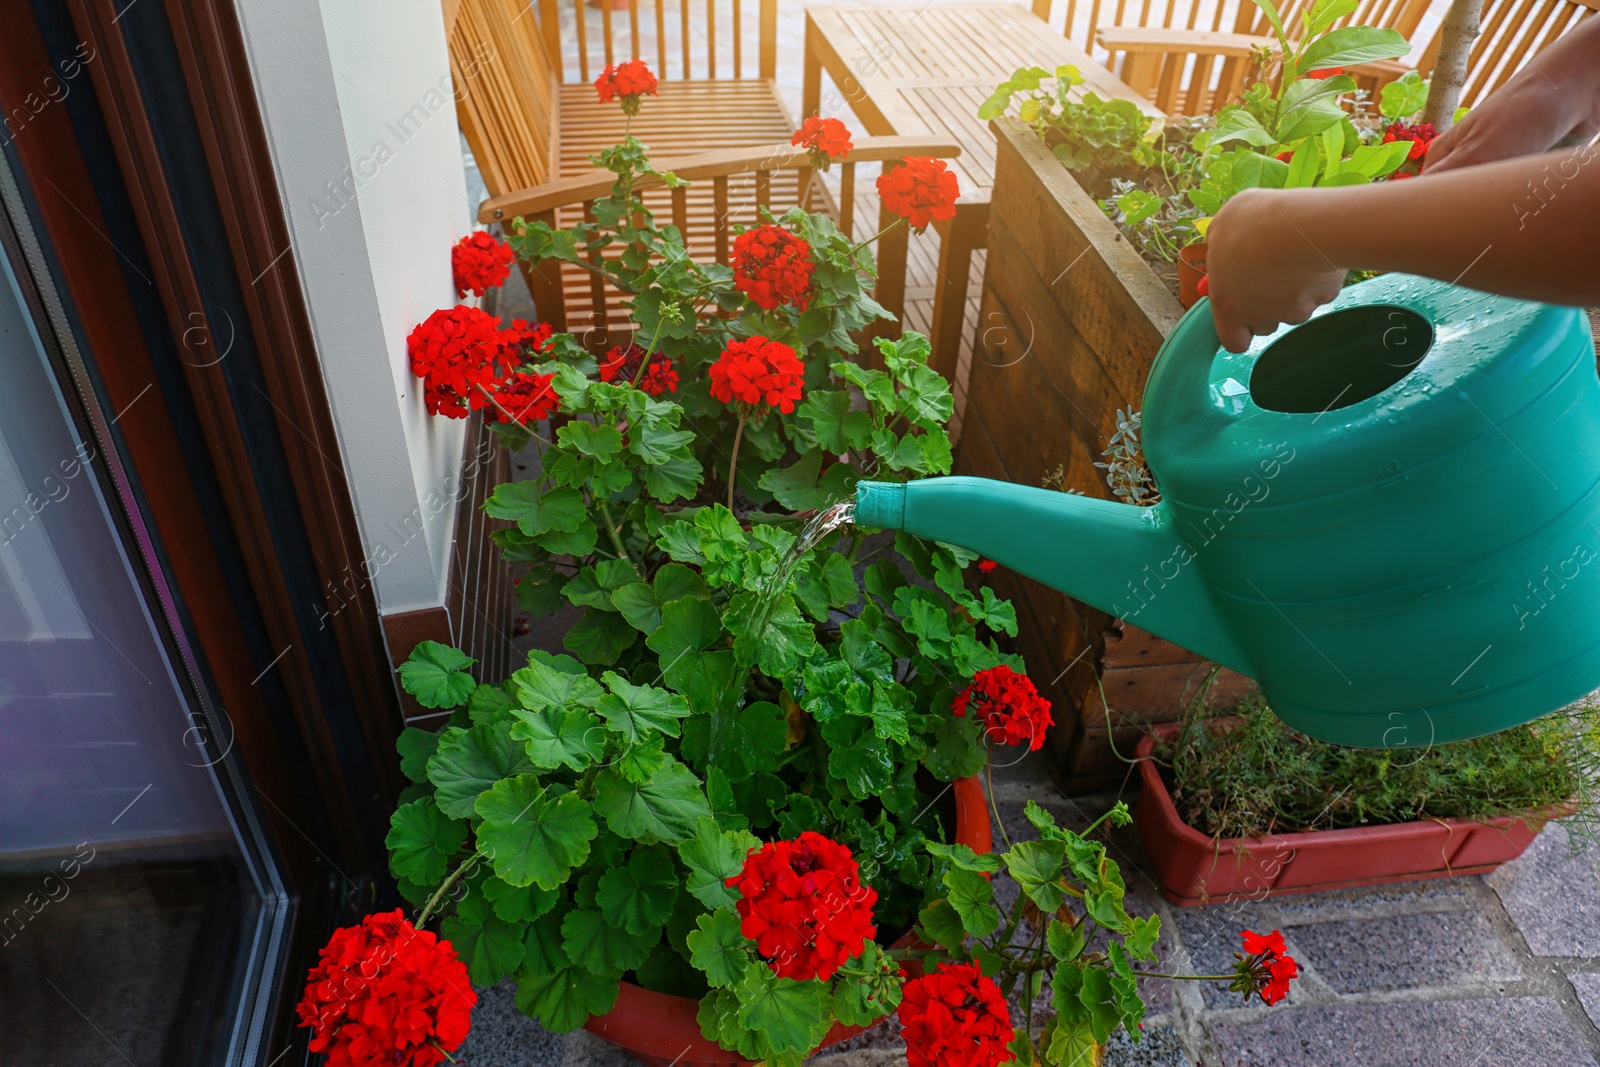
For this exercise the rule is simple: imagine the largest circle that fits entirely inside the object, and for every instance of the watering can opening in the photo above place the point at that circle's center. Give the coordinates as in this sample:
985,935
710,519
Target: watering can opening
1339,359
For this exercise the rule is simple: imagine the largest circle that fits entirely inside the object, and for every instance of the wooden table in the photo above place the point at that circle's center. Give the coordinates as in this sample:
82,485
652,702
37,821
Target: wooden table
925,69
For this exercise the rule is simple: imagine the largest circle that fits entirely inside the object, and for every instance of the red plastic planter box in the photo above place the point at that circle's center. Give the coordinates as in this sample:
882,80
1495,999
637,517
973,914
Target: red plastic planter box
1195,869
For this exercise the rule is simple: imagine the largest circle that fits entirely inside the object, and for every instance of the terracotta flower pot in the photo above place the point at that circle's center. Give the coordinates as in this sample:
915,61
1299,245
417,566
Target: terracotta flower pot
1191,268
661,1029
1195,869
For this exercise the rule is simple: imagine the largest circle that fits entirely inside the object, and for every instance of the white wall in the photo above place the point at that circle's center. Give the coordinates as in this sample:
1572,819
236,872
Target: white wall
358,105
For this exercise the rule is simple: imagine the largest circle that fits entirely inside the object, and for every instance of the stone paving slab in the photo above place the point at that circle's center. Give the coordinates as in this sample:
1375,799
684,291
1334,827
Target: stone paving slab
1587,986
1502,1032
1404,952
1553,897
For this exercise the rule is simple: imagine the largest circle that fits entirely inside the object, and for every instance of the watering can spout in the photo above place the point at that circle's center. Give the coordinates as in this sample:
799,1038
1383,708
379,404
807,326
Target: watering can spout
1120,558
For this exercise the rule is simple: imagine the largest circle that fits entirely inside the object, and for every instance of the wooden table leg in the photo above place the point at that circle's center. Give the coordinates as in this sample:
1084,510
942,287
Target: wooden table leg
958,239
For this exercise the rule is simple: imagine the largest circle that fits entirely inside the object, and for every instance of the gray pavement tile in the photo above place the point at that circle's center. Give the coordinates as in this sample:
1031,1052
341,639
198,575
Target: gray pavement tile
1553,897
1587,986
1405,951
1316,907
1158,1047
1504,1032
502,1036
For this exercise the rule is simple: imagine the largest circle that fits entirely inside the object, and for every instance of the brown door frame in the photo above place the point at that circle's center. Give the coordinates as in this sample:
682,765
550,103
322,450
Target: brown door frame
278,703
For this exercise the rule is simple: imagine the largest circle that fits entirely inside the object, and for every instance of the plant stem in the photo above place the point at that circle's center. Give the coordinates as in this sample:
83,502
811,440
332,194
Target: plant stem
438,895
858,247
644,360
733,461
988,774
1188,977
611,528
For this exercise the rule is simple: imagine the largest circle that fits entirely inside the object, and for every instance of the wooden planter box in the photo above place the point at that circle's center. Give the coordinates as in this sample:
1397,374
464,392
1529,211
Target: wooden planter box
1195,869
1069,323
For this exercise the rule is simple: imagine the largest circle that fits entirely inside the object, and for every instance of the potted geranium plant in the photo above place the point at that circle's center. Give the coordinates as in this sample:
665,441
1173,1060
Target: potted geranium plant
739,819
1241,806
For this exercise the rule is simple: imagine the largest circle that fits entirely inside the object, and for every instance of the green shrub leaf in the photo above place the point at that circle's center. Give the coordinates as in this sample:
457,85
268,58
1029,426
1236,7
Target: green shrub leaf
436,675
531,837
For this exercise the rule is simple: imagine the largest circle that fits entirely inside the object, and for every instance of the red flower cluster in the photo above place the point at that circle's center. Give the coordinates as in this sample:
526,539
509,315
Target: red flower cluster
803,904
1420,136
955,1017
479,262
772,267
920,190
463,357
626,81
525,398
828,140
386,992
1263,968
622,362
1011,708
758,371
987,566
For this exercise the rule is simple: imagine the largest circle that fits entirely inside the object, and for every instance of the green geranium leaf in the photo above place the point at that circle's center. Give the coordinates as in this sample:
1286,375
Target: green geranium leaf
436,675
717,947
489,704
536,510
707,677
973,899
421,841
601,947
963,857
777,640
542,951
713,856
469,761
641,604
942,925
753,741
563,1001
559,737
518,904
416,748
663,809
1141,937
602,442
1065,942
791,1015
1036,866
957,751
836,428
600,637
579,542
638,711
531,837
489,946
1100,999
555,682
639,897
866,765
593,586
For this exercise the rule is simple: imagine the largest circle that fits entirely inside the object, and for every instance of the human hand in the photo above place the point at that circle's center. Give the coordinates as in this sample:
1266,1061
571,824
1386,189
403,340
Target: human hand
1261,270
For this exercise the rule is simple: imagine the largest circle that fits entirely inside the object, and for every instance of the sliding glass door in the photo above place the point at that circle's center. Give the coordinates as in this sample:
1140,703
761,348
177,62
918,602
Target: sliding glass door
140,907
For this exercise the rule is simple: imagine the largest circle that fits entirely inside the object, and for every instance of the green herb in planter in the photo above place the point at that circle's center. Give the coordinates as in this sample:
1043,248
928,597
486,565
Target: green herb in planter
1260,777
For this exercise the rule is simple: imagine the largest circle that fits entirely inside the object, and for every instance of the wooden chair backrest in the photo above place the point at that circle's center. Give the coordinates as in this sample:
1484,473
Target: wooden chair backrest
682,40
1084,17
1511,33
505,92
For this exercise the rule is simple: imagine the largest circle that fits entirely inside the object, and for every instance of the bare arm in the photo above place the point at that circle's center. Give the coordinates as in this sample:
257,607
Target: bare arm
1525,227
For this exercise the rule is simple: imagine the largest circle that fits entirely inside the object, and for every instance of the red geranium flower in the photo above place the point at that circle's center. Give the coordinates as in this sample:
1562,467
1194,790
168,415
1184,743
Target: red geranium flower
920,190
626,81
828,140
803,904
1420,136
1011,708
458,353
622,362
987,566
479,262
524,398
955,1017
386,992
758,371
772,267
1263,968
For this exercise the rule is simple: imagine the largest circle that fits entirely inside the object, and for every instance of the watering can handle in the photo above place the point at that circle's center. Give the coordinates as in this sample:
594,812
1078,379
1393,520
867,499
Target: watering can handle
1180,378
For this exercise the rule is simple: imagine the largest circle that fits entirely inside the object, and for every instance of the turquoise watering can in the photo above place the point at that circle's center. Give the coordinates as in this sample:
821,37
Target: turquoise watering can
1389,515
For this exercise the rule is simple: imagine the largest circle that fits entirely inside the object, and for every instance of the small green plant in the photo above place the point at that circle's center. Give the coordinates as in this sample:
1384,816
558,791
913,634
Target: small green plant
1258,776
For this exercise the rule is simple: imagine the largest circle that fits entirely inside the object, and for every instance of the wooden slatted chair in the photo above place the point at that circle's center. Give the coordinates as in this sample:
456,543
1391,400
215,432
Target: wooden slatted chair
527,105
1194,70
706,212
1512,33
